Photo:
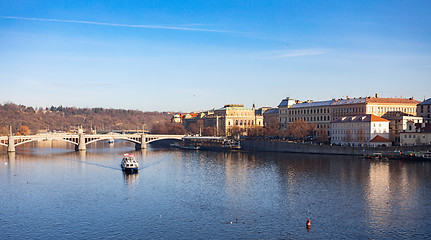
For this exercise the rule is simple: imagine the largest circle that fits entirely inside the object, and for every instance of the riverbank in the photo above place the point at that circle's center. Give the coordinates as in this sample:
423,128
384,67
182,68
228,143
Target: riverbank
281,146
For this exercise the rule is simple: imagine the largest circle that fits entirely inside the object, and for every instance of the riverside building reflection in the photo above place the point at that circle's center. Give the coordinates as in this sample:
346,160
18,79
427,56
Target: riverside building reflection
204,194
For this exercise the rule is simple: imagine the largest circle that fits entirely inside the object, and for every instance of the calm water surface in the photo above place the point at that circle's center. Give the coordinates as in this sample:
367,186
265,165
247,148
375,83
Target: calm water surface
56,193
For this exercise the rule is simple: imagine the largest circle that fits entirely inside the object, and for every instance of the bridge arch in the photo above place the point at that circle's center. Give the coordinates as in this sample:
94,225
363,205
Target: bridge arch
160,139
115,138
27,141
39,139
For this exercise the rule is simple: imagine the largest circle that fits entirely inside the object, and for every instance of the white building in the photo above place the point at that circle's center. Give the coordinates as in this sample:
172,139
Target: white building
399,123
360,130
283,112
416,134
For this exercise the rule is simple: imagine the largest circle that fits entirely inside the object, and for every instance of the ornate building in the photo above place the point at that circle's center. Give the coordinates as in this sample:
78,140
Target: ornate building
226,119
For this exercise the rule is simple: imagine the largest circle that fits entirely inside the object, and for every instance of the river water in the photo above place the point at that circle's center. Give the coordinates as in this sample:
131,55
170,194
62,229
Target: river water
48,191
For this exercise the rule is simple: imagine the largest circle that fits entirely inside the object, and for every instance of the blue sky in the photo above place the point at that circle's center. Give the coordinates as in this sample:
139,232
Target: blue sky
198,55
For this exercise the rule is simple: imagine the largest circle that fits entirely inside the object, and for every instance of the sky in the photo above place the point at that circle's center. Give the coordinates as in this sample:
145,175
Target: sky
187,56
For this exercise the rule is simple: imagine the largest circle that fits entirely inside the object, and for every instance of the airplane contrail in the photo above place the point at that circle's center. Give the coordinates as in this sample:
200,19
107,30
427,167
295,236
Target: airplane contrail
114,24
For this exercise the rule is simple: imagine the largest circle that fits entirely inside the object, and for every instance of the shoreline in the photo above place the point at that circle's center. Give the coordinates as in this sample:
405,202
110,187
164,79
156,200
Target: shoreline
310,148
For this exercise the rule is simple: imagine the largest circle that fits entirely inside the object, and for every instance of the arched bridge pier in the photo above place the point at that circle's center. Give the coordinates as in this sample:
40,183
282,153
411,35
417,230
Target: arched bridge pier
82,140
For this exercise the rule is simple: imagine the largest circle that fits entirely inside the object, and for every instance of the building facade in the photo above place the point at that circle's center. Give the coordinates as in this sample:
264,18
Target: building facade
283,114
271,118
381,107
360,130
416,134
424,110
226,119
317,113
393,109
398,123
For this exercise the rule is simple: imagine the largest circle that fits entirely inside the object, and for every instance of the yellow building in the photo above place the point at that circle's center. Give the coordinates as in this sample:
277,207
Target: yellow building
392,109
229,117
381,107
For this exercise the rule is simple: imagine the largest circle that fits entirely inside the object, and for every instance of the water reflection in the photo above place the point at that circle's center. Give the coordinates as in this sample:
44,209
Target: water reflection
378,195
130,178
208,195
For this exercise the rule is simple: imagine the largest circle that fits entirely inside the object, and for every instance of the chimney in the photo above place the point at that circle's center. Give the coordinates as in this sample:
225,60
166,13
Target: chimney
376,96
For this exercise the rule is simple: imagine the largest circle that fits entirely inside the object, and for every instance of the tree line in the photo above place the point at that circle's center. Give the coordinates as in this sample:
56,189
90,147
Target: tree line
28,120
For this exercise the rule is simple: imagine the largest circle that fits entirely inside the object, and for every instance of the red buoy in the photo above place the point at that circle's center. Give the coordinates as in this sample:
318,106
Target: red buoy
308,224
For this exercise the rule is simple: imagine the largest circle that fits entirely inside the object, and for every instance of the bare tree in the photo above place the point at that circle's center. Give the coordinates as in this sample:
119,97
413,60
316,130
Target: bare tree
361,134
208,131
4,130
299,129
236,131
193,128
322,135
348,136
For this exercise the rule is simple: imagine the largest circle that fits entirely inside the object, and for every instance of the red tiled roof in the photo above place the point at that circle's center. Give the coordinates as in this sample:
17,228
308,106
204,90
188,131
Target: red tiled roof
380,139
375,118
392,100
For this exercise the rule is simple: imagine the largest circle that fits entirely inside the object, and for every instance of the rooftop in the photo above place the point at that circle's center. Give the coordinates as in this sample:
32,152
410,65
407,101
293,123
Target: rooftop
376,100
349,101
286,102
233,107
426,102
360,118
271,111
380,139
392,100
313,104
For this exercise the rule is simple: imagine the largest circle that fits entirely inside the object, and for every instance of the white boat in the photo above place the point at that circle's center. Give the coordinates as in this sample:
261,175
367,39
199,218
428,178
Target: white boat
129,163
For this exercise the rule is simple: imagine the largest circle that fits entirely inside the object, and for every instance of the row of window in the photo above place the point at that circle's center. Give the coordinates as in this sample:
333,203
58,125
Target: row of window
244,122
351,131
414,136
358,110
393,109
351,139
310,119
308,111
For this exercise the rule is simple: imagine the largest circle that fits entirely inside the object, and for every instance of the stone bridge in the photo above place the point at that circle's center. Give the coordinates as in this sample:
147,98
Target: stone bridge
82,140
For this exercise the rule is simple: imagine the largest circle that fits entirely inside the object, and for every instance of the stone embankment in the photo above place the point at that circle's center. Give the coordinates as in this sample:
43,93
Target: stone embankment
281,146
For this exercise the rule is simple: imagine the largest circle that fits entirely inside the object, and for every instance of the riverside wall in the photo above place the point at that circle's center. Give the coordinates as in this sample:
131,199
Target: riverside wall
292,147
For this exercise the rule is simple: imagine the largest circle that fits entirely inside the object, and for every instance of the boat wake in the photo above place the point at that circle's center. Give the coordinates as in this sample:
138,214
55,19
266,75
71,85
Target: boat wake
94,164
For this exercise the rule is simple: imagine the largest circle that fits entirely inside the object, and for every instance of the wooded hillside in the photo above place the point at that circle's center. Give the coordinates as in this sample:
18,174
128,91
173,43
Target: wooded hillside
67,118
